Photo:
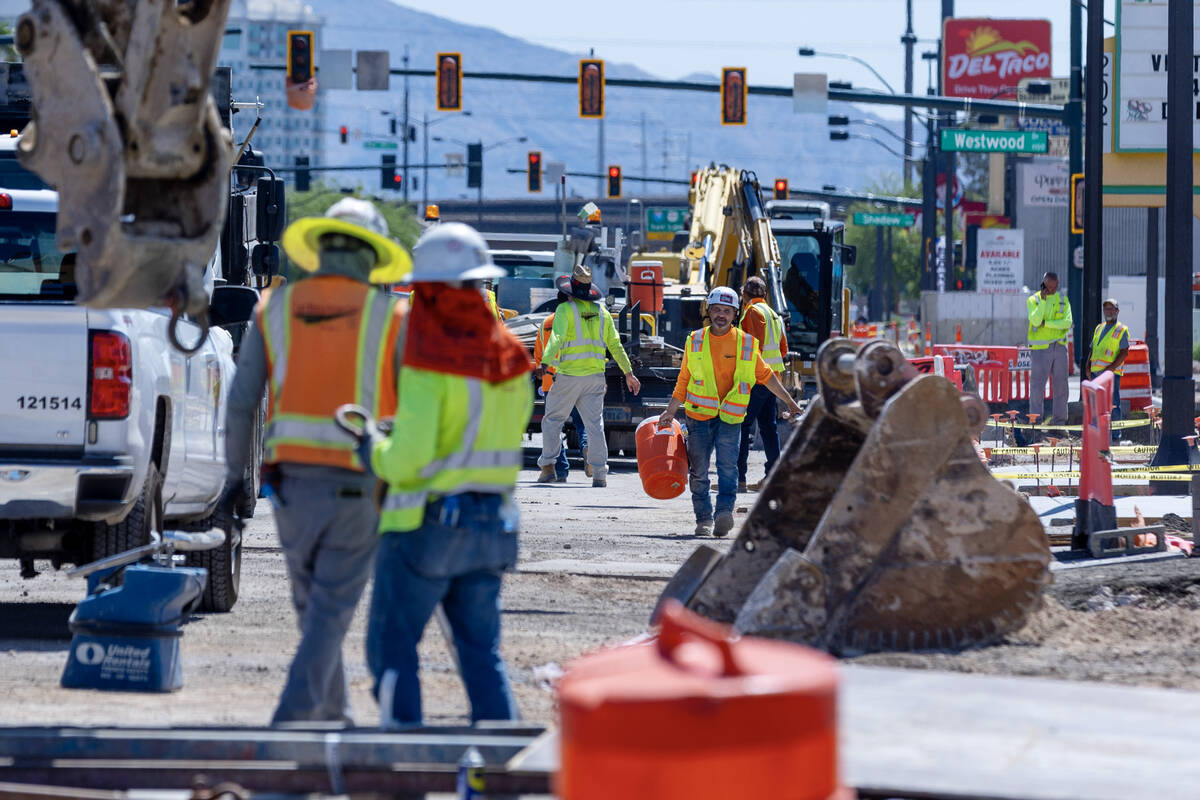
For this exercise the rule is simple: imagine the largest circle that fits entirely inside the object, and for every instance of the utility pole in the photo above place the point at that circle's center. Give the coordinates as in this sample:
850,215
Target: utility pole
888,302
908,40
1152,295
1178,391
406,128
645,171
601,168
1074,122
1093,170
425,161
950,157
875,300
929,207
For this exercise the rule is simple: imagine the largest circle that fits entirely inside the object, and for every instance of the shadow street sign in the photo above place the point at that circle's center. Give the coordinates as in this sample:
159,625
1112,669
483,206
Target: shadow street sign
884,220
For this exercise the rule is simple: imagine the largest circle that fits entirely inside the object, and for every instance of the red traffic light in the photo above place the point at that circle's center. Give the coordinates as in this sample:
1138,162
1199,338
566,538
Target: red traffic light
535,158
614,172
614,181
343,132
534,171
695,177
397,179
781,188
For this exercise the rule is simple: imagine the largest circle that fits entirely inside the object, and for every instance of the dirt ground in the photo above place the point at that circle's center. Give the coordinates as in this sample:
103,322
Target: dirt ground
593,562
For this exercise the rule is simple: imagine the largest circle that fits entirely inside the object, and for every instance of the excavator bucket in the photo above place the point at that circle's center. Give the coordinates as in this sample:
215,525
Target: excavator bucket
879,528
125,130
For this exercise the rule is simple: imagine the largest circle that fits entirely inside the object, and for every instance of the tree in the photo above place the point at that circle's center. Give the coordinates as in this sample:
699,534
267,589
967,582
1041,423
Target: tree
906,244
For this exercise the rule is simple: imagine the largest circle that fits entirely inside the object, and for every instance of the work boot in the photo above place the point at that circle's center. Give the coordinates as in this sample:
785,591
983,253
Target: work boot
742,487
560,478
599,483
756,486
547,475
704,527
587,468
723,524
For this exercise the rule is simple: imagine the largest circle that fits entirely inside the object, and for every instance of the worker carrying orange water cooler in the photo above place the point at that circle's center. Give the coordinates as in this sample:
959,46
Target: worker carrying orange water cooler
662,458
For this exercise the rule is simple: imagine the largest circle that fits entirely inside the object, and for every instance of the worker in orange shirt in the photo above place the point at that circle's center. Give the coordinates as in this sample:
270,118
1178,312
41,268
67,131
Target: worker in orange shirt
562,467
760,321
721,364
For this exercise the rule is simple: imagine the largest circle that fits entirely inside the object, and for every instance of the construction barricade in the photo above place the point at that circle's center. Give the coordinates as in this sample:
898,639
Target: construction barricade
938,365
1001,373
1135,383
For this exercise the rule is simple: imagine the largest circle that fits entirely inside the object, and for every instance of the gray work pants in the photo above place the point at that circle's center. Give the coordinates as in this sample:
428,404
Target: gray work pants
586,393
1050,362
328,526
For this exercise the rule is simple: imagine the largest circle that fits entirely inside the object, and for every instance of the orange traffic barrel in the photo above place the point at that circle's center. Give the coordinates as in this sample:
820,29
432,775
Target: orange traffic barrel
662,458
698,714
1135,383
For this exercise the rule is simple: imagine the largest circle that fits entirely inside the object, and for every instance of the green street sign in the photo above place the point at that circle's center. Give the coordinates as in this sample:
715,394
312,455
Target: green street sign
968,141
379,145
884,220
663,221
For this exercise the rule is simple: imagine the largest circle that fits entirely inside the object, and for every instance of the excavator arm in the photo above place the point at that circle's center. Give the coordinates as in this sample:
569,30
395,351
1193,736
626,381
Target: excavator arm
125,129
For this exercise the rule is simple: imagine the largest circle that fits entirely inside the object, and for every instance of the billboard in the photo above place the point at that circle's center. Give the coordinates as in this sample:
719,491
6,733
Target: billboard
1140,104
986,58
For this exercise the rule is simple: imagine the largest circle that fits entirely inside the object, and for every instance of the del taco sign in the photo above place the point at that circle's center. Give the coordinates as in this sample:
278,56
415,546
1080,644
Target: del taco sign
985,58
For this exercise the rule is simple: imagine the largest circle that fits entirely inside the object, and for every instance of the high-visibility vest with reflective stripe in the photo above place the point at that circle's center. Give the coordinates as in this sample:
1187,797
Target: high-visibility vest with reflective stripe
543,336
329,340
1057,307
478,444
773,327
1104,350
701,400
584,343
493,305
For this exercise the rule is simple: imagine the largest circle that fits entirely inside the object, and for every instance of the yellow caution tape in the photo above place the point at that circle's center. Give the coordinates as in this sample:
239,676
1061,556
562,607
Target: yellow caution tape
1181,472
1117,425
1116,450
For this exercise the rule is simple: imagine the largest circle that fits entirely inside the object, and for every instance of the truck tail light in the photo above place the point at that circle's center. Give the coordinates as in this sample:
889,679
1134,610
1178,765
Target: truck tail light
110,376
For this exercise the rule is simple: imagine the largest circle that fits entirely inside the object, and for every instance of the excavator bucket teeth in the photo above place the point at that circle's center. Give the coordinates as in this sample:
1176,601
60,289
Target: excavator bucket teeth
125,130
879,529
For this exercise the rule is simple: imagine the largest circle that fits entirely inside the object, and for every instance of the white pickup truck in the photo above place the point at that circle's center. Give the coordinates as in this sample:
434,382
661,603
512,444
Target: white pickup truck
107,432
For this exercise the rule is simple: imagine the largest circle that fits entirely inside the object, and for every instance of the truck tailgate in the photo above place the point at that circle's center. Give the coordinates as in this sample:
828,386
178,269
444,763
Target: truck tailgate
43,361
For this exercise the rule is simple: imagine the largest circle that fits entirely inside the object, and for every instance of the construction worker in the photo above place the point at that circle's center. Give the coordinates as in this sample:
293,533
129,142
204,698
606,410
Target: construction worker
721,364
488,290
318,343
1110,347
449,524
1049,321
582,329
760,321
562,467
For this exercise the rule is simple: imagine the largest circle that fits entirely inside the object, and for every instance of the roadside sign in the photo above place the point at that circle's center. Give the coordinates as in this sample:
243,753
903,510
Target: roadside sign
663,221
884,220
1077,203
455,165
1060,147
810,93
1054,127
969,141
985,58
379,145
1060,91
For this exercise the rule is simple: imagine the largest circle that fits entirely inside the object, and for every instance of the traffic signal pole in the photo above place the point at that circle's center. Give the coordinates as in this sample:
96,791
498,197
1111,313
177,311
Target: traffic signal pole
1075,158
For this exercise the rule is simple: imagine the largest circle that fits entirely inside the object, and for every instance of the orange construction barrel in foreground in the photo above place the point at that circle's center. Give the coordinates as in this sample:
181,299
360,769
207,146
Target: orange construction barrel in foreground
693,714
662,458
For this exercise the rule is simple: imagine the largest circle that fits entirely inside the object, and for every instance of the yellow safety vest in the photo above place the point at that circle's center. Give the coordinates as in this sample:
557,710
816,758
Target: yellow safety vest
1056,308
1105,349
701,400
773,324
478,449
583,351
493,305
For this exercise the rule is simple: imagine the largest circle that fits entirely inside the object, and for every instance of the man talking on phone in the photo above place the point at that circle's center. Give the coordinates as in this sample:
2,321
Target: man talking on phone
1049,321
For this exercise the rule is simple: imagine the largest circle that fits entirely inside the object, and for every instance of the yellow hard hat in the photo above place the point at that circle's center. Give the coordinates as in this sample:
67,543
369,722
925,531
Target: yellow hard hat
352,217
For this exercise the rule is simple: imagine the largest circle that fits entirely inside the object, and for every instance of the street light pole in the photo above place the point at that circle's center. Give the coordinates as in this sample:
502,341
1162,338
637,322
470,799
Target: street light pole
425,161
908,40
406,126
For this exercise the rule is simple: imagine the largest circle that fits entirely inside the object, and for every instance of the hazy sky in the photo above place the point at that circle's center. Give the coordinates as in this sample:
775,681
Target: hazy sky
673,38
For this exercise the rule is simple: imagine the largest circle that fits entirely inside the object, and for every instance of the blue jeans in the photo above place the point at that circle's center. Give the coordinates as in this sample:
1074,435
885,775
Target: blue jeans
562,467
1116,409
455,558
704,436
761,409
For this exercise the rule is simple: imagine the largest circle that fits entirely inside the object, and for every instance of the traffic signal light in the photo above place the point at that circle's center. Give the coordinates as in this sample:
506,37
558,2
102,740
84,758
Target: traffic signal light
695,176
781,189
733,96
591,88
475,165
388,179
534,168
299,56
302,175
614,181
344,133
449,81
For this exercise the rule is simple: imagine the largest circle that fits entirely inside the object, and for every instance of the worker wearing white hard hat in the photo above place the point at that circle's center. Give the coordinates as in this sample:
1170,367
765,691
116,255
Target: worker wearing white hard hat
448,528
721,365
317,343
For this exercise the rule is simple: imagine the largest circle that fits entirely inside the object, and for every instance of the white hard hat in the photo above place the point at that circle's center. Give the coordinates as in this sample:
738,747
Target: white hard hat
722,296
452,251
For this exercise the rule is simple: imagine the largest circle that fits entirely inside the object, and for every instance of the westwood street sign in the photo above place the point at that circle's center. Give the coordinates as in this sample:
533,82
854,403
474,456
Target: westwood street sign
969,141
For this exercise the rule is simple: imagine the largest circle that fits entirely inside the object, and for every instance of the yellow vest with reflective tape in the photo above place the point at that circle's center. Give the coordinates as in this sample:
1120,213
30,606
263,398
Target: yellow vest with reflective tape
1057,308
773,325
478,444
1104,350
582,352
701,400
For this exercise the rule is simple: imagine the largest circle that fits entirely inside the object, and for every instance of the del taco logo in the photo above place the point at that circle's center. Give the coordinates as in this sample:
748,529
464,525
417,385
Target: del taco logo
985,58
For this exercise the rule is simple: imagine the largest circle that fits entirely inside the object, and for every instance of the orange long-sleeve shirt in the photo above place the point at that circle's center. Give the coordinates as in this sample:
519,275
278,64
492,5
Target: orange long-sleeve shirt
756,326
724,356
539,347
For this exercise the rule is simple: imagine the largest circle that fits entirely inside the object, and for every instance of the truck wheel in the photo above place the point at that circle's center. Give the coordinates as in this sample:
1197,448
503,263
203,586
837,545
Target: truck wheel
253,474
224,565
134,530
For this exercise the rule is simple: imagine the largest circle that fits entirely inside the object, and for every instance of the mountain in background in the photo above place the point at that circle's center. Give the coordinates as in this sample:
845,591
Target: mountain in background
651,133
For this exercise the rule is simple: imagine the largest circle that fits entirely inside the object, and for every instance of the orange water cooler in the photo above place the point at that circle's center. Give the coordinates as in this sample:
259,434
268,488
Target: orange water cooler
696,715
646,286
662,459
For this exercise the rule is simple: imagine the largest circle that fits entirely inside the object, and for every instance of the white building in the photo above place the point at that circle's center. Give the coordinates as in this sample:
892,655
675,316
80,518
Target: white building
256,33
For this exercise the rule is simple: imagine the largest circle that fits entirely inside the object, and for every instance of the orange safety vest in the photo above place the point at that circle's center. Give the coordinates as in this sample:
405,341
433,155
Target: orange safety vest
539,347
330,340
